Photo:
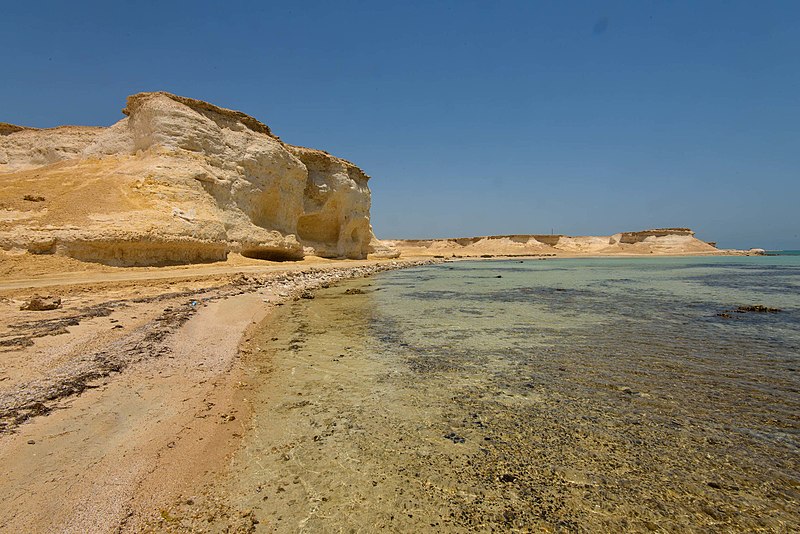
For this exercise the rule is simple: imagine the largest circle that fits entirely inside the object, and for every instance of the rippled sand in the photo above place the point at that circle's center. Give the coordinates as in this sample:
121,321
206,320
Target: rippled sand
569,395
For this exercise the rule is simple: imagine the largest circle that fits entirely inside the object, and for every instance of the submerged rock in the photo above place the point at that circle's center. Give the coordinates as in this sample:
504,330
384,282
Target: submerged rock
354,291
757,308
751,308
455,438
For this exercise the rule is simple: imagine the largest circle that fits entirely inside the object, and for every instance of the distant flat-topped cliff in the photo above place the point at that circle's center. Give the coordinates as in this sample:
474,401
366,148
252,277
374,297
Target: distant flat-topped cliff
178,181
657,241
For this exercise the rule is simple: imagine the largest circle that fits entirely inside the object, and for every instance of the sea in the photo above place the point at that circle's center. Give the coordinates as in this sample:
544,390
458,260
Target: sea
532,395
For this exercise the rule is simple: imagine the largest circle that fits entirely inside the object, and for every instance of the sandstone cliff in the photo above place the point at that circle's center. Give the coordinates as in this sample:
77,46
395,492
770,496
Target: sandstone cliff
657,241
177,181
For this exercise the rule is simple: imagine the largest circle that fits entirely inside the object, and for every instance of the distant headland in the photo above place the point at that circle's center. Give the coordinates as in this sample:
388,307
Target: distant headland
182,181
659,241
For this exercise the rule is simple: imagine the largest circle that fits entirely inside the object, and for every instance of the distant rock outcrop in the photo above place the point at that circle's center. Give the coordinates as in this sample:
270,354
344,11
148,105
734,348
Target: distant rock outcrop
177,181
657,241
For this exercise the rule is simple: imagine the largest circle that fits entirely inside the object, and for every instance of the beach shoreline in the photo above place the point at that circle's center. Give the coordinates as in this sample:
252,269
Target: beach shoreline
129,395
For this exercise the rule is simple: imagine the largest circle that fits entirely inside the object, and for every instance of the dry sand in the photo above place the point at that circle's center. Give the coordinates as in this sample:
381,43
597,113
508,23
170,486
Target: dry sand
130,395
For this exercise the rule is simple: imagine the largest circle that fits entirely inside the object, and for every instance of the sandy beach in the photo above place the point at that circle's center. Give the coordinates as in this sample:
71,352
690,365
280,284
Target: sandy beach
129,395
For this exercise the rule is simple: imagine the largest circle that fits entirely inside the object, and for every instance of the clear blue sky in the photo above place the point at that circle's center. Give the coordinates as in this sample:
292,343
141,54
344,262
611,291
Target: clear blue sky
472,117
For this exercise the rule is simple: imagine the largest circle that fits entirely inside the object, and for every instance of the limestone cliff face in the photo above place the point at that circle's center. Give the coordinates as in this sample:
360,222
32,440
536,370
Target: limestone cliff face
177,181
26,148
325,228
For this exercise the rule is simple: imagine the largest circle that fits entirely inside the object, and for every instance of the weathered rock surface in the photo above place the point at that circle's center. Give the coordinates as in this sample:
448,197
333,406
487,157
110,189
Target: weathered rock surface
382,249
26,148
42,303
177,181
657,241
324,228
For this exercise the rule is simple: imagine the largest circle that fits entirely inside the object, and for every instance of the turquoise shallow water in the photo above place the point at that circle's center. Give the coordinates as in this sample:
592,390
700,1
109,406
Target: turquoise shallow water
556,395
